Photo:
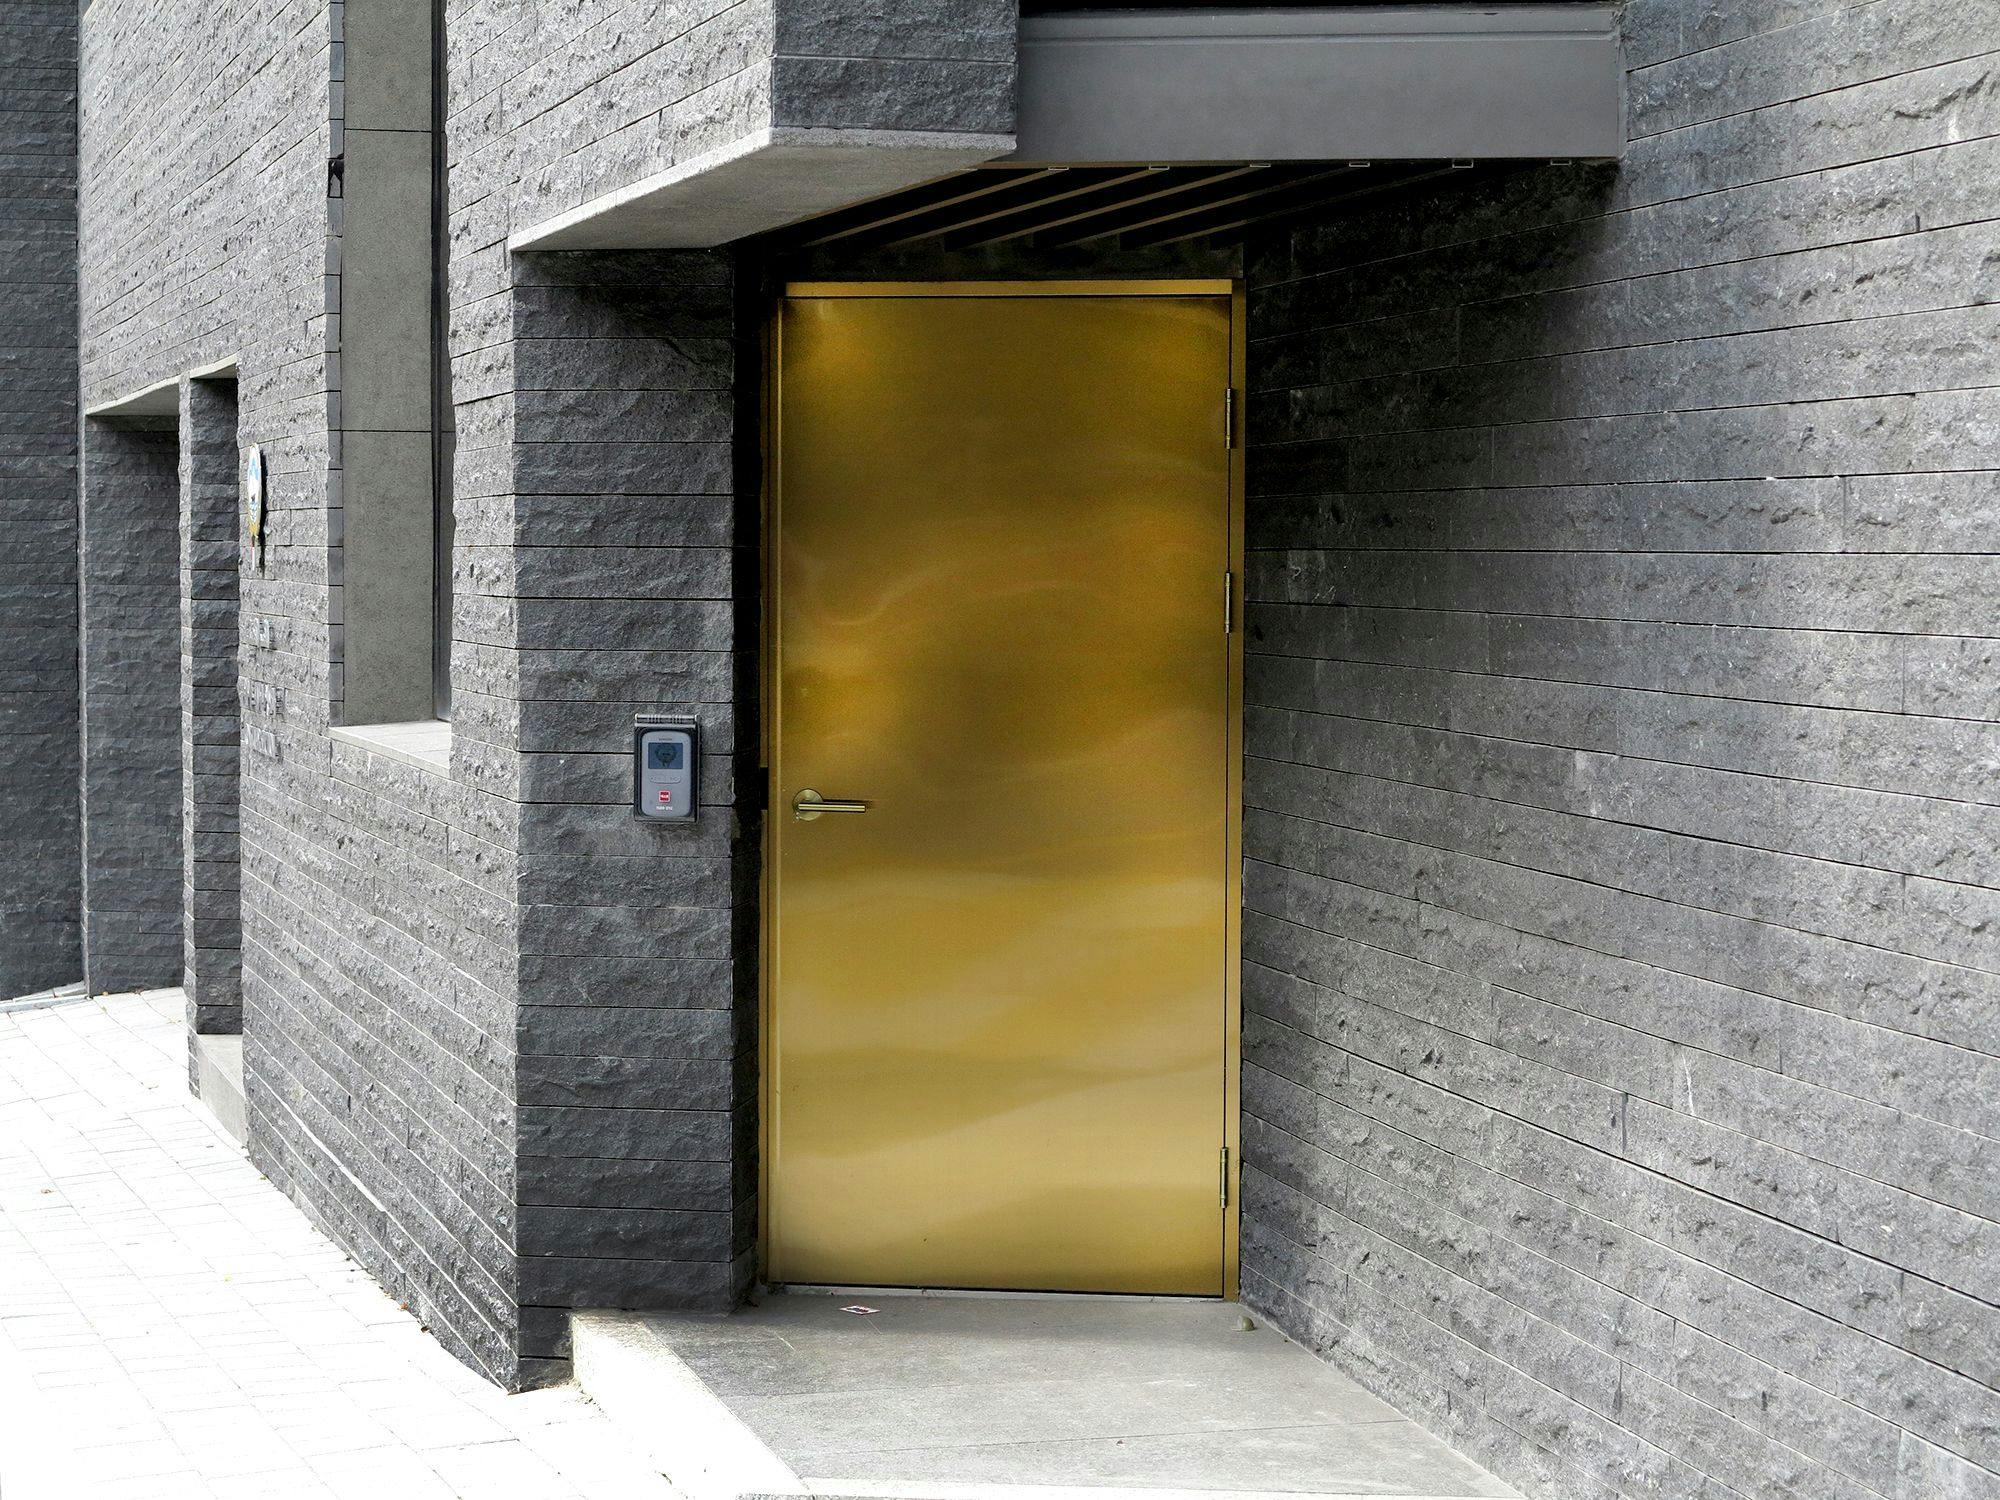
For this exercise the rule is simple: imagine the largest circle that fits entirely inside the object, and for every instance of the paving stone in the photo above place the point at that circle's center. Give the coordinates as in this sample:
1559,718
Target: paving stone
225,1348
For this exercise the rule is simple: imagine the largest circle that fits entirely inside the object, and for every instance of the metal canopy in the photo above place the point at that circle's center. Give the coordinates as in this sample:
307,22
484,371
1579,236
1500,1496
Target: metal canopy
1122,208
1306,83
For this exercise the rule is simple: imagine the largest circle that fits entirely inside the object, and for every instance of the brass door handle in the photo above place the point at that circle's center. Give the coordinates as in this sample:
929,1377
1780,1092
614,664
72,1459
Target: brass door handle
809,804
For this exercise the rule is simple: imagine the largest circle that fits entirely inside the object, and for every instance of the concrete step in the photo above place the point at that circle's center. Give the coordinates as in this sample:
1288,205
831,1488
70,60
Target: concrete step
934,1397
637,1380
218,1083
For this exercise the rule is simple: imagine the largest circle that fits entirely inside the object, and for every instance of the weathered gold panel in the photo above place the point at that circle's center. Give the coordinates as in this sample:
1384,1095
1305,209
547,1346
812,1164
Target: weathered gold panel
999,984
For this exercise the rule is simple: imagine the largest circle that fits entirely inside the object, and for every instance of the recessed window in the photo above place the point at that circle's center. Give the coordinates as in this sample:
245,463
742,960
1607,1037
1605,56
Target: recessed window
393,452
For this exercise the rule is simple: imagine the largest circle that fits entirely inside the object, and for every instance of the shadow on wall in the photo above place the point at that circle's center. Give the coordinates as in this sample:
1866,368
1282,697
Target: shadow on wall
129,582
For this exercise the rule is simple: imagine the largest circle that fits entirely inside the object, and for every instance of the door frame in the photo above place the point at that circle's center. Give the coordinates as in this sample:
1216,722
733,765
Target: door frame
1232,1050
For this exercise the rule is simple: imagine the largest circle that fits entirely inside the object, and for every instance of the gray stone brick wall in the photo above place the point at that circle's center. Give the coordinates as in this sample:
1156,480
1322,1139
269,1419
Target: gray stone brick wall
40,934
632,587
590,99
377,949
211,900
129,581
919,65
595,577
1621,1054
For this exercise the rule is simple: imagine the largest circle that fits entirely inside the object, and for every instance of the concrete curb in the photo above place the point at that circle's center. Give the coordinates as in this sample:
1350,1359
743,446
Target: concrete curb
705,1450
45,1000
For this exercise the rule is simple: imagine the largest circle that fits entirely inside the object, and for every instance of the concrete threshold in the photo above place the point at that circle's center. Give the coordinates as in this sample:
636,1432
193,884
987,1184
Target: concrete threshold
218,1072
944,1397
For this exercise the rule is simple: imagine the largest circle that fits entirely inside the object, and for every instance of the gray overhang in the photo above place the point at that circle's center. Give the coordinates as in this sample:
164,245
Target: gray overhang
1169,88
1401,83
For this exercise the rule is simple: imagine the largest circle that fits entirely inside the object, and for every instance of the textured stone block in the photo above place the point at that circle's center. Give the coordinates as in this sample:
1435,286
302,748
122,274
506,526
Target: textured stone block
40,895
129,662
1565,501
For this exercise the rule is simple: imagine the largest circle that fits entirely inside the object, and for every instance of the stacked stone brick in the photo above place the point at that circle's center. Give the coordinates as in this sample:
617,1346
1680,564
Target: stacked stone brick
1621,926
40,897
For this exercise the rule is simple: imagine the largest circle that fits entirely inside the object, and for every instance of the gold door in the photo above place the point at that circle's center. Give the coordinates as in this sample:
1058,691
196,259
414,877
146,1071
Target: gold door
1000,979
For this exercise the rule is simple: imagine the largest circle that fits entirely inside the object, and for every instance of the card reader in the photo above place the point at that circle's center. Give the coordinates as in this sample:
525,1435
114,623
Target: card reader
666,749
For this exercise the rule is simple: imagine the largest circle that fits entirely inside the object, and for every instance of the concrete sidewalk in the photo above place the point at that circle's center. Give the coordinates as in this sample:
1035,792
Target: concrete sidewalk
171,1326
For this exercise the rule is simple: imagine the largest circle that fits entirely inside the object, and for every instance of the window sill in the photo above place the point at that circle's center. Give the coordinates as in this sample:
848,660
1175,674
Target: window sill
425,744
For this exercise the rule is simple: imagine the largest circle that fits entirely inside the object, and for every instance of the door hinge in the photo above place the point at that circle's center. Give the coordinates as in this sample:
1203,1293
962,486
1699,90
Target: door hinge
1228,602
1229,417
1225,1177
